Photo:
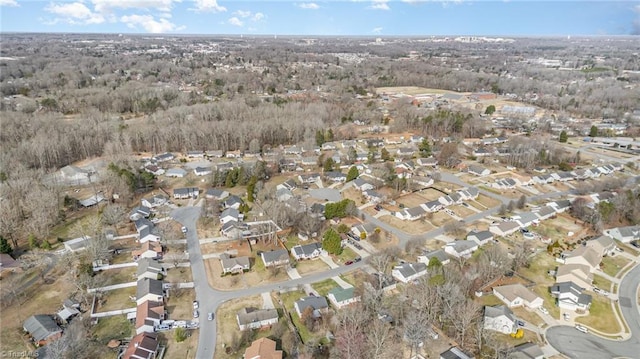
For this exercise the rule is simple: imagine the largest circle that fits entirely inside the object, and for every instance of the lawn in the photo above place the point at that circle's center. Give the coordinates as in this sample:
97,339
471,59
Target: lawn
324,287
440,218
228,329
529,316
538,267
487,201
549,300
288,299
489,300
411,227
412,200
258,275
461,211
354,278
601,317
179,275
346,255
186,349
117,299
602,282
113,327
116,276
311,266
611,265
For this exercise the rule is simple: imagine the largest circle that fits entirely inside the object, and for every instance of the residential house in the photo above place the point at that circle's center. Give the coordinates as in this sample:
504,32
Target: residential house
233,201
373,196
624,234
163,157
214,154
366,228
217,194
149,315
362,185
422,181
544,212
500,319
480,237
505,183
186,193
504,228
481,152
308,161
409,272
526,351
175,172
233,154
252,318
309,178
139,212
150,268
288,184
283,194
293,150
8,264
235,230
440,254
579,274
432,206
42,329
455,353
149,249
342,297
154,201
571,296
224,167
275,258
411,214
230,214
319,305
526,219
329,146
146,229
461,248
563,176
374,142
307,251
335,176
91,201
234,264
405,152
263,348
469,193
348,144
517,295
74,174
142,346
202,171
195,154
149,290
427,162
582,255
154,170
543,179
70,308
478,170
603,245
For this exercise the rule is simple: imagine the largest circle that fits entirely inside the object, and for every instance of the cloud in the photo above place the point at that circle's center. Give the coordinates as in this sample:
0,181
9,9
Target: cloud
240,14
379,5
235,22
208,6
635,25
376,30
11,3
75,13
444,3
149,23
107,6
258,16
309,6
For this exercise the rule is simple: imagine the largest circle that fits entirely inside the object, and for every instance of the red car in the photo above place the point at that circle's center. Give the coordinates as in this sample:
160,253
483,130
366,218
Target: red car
348,263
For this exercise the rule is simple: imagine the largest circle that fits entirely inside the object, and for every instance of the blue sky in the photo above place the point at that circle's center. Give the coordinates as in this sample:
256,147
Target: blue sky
348,17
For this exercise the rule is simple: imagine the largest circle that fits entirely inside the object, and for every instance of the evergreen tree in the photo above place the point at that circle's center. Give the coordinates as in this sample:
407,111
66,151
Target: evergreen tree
353,173
425,148
384,154
594,131
33,242
331,242
328,164
563,137
329,136
319,137
490,110
5,247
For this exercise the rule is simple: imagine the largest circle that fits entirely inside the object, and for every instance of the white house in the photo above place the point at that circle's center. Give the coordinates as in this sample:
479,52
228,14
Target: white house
571,296
154,201
517,295
307,251
624,234
175,172
499,319
276,257
504,228
461,249
229,214
480,237
411,214
234,264
438,253
409,272
361,184
252,318
202,171
478,170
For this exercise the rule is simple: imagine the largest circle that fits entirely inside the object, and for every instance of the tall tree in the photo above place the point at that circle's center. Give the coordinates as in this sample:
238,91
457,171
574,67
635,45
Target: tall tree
5,247
353,173
425,148
593,132
563,137
331,242
490,110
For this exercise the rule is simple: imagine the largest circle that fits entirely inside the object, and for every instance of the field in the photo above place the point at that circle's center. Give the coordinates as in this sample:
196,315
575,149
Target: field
186,349
179,304
324,287
461,211
487,201
537,272
413,199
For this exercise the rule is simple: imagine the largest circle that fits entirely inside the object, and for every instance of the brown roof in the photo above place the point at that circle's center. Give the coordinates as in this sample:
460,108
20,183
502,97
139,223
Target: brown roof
148,246
148,309
263,348
6,261
143,345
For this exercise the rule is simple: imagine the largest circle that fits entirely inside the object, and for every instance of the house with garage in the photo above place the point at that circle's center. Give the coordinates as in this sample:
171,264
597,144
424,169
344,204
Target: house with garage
319,305
571,296
148,249
469,193
216,194
308,178
408,272
195,154
526,351
454,353
213,154
422,181
283,195
154,201
139,212
202,171
526,219
580,274
307,251
235,230
505,183
499,319
234,265
480,237
624,234
582,255
362,185
150,268
366,228
145,229
253,318
461,248
263,348
233,201
432,206
603,245
543,179
186,193
149,315
427,162
482,152
142,346
163,157
544,212
288,184
440,254
478,170
373,196
341,297
275,258
411,214
149,290
175,172
154,170
230,214
42,329
504,228
335,176
517,295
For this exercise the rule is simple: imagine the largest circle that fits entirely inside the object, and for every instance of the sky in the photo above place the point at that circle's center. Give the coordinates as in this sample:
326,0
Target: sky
340,18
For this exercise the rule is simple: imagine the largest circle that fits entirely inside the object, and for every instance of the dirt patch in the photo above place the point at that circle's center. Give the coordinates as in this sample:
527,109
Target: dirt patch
179,304
461,211
179,275
116,276
116,299
412,200
186,349
440,218
311,266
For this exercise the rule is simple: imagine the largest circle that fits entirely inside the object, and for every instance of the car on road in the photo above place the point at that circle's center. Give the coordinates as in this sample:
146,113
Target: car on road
520,323
357,259
544,310
619,249
378,207
196,314
210,316
196,305
580,328
348,263
184,229
465,204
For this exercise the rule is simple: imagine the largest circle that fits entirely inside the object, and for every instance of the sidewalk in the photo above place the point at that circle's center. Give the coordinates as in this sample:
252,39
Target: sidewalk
343,284
112,287
329,261
293,273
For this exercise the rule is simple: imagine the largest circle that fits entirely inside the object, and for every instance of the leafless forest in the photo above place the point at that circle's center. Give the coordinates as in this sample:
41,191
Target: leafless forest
71,97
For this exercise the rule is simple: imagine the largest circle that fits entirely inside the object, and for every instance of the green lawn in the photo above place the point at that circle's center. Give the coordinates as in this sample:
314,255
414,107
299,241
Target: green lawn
287,301
611,265
114,327
347,255
537,271
549,300
601,317
324,287
601,282
489,300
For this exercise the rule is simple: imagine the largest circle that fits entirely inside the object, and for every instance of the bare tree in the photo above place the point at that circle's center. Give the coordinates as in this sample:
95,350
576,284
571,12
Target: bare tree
113,214
416,329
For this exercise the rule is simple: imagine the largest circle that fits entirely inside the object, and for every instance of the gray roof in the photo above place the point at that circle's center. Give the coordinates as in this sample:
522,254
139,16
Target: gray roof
306,249
526,351
409,269
176,171
231,262
275,255
217,193
454,353
480,235
462,245
252,315
545,211
497,311
312,301
439,253
335,174
433,204
528,217
416,211
148,265
231,200
230,212
41,326
476,169
149,286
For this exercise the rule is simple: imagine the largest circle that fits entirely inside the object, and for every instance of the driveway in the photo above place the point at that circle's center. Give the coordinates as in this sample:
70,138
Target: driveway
574,344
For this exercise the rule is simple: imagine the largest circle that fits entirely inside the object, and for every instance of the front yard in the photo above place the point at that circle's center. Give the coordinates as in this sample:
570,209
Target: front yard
611,265
324,287
305,267
601,317
412,227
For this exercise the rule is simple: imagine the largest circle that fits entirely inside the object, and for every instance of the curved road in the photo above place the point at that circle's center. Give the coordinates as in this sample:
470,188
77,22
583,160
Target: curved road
575,344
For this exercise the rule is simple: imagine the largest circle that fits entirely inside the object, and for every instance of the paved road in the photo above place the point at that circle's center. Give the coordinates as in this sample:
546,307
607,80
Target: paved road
575,344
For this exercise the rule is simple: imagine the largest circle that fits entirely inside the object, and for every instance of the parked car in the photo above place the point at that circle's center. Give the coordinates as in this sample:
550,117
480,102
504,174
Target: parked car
357,259
184,229
348,263
520,323
196,305
196,314
619,249
566,316
210,316
582,329
378,207
544,310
